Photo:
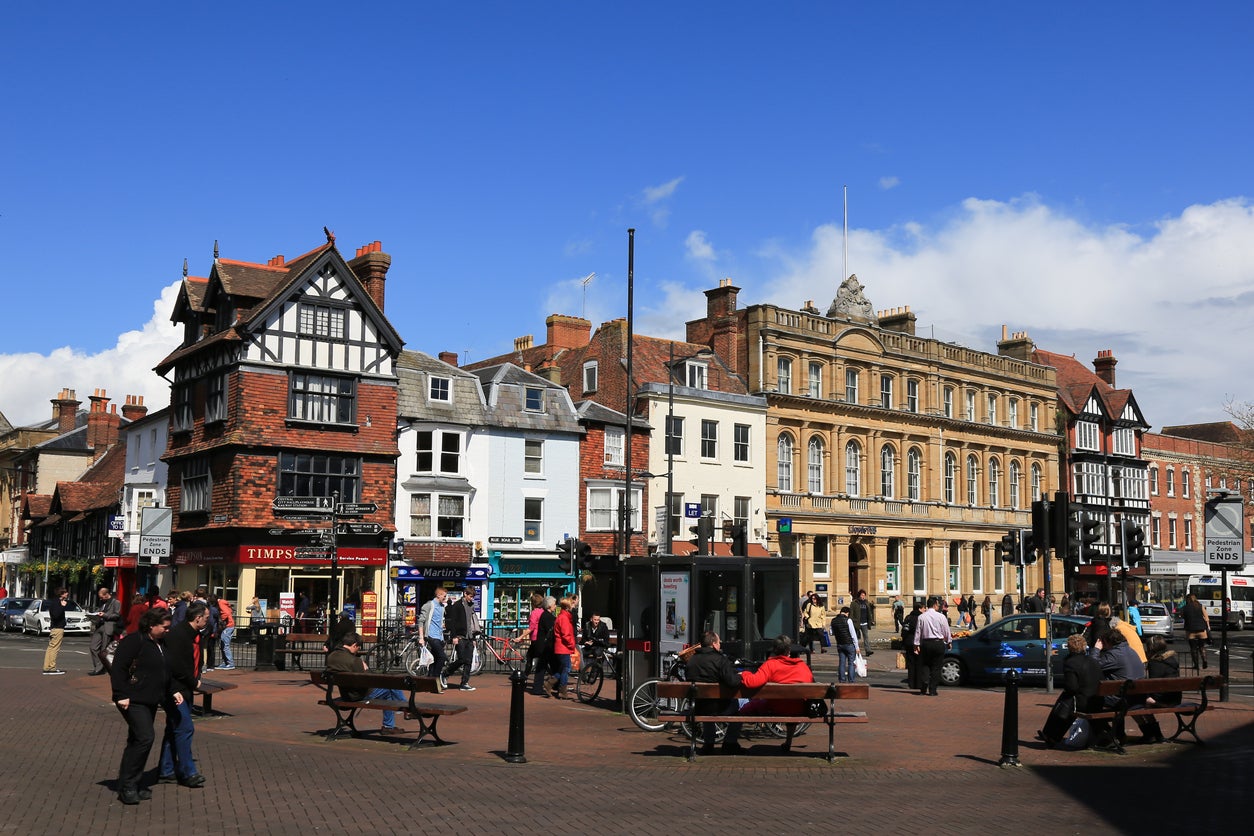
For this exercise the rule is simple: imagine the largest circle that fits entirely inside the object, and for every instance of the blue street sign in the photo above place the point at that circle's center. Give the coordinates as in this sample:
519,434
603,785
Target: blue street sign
692,509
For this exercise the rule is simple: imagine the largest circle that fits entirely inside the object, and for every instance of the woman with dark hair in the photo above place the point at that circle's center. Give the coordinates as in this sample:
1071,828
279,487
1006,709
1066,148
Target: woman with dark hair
542,647
141,682
986,608
1099,626
1196,627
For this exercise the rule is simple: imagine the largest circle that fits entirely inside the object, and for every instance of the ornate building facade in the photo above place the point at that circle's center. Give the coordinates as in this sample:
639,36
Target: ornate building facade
895,462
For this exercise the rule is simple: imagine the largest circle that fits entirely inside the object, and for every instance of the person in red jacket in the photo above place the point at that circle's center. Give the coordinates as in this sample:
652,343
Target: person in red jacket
782,666
563,648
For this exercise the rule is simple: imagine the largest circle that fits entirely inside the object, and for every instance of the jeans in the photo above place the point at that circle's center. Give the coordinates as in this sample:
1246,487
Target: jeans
228,634
389,717
846,672
176,745
563,669
139,737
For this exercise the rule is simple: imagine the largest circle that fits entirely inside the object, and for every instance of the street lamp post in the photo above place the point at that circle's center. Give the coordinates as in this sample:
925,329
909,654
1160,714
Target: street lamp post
48,550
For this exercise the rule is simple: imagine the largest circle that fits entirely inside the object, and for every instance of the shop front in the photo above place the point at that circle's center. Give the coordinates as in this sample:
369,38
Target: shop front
413,586
515,575
265,571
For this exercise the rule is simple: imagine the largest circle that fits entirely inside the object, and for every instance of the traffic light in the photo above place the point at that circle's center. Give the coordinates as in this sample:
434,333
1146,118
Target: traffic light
1007,549
1133,544
740,539
1090,535
1027,546
1067,517
583,554
704,529
566,554
1042,513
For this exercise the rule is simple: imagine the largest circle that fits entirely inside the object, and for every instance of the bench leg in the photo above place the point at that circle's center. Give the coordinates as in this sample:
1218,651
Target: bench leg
425,729
831,739
206,704
1190,726
344,721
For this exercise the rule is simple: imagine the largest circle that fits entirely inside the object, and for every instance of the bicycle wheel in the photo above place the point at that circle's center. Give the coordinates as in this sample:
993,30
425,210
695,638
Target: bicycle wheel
644,706
780,730
412,660
588,682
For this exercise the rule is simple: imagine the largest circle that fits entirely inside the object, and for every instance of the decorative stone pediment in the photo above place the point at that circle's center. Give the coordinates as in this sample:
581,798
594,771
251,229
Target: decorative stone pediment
851,303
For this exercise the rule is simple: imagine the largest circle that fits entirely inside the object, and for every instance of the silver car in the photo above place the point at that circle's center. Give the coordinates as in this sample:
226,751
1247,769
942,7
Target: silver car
1156,621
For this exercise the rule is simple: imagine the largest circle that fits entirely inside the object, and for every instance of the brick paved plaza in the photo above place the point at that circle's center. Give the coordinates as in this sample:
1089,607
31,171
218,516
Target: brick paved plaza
920,764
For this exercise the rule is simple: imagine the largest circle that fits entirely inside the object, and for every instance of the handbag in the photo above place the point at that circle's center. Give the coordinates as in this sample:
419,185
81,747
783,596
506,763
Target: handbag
825,638
1078,734
859,665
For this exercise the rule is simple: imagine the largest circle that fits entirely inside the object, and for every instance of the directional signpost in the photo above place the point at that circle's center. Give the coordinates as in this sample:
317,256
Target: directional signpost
358,528
355,509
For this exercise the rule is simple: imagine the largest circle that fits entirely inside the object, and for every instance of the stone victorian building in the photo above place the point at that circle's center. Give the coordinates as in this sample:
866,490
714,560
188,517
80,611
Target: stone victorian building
284,387
894,462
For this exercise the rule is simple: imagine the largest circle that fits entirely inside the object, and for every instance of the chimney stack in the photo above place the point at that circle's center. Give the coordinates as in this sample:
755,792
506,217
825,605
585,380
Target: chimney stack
370,265
449,357
65,410
1104,365
566,332
134,408
102,424
1017,345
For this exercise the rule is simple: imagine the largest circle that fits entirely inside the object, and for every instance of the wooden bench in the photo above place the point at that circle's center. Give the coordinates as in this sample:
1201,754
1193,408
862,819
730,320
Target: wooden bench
427,714
1131,694
207,689
685,694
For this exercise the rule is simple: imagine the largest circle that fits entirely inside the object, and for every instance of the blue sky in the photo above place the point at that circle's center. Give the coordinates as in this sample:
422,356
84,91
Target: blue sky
1079,171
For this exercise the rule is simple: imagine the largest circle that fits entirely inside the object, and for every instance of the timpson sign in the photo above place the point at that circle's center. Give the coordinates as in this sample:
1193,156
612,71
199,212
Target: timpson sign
273,555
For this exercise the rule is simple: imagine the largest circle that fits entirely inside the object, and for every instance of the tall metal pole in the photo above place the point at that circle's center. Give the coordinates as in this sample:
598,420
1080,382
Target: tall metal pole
670,452
626,503
335,561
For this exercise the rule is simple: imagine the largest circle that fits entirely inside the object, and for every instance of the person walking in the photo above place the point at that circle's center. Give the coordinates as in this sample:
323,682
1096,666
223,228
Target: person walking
546,664
846,638
1037,603
141,682
932,637
226,631
863,614
183,656
1007,605
1196,628
104,623
563,649
431,632
814,617
986,609
908,625
56,630
899,613
461,624
961,603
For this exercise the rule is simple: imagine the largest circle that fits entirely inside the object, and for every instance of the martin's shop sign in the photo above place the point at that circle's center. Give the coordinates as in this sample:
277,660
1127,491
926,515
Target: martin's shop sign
413,574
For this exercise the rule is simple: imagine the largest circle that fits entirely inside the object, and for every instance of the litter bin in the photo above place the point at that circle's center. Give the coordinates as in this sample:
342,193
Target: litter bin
266,637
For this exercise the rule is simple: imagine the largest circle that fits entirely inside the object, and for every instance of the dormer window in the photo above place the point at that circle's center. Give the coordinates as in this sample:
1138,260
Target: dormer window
696,375
439,389
225,317
533,399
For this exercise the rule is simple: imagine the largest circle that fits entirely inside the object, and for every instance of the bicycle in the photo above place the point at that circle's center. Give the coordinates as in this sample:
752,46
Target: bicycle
400,650
598,662
645,705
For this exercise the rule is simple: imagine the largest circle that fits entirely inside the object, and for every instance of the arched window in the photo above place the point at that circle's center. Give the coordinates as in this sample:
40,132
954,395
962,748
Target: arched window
814,466
1016,474
1153,480
783,462
951,478
914,474
853,469
973,473
783,375
1036,482
994,482
1184,483
888,465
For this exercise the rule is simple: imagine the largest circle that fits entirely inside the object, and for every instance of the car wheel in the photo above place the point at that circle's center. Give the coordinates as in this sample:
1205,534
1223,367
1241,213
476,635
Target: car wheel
951,672
1240,621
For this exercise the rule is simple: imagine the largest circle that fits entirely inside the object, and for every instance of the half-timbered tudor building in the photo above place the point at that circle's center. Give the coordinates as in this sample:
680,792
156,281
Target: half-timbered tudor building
284,386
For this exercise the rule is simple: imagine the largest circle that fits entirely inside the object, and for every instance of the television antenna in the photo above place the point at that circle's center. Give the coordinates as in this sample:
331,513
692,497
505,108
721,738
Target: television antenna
585,281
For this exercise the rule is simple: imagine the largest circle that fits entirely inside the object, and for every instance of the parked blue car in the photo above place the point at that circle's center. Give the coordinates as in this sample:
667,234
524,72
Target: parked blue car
1013,643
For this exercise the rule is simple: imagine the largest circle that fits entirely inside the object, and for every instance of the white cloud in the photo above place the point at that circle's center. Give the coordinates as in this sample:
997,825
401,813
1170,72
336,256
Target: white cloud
889,182
652,194
29,381
1174,303
698,246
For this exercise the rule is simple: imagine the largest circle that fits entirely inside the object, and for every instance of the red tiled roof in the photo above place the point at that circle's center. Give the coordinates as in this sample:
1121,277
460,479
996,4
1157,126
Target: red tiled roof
1220,432
36,505
1076,382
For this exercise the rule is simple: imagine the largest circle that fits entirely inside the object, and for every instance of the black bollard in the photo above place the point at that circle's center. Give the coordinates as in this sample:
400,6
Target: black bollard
1010,723
516,752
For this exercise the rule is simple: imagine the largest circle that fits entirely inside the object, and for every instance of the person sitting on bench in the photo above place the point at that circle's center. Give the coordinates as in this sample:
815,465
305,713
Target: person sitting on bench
344,659
710,665
782,666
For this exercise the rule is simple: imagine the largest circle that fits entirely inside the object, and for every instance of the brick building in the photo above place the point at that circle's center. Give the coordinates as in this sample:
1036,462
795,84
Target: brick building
284,386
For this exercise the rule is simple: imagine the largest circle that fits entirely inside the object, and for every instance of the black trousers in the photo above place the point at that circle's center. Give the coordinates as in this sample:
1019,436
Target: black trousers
438,659
139,739
931,654
465,650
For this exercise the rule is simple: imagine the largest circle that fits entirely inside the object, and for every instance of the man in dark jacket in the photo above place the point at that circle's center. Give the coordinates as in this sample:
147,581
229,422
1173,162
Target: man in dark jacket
461,623
863,614
182,652
345,659
104,623
709,664
56,630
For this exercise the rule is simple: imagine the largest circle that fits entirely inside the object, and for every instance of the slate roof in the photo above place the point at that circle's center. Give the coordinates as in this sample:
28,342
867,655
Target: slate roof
595,413
5,426
1219,432
505,388
1076,382
414,371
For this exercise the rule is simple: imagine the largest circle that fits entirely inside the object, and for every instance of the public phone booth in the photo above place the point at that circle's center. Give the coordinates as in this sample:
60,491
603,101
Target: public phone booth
671,600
